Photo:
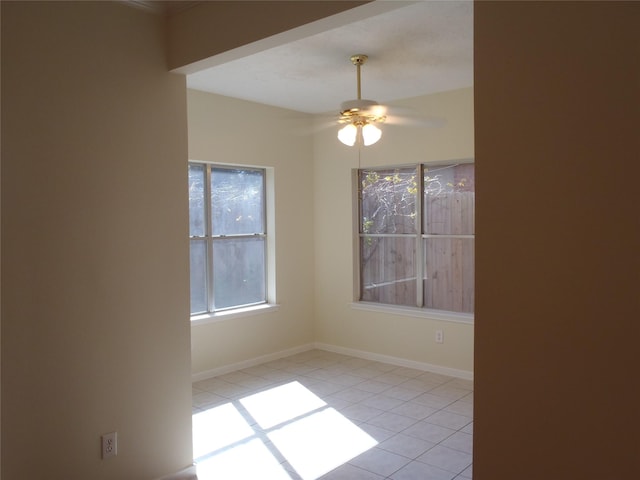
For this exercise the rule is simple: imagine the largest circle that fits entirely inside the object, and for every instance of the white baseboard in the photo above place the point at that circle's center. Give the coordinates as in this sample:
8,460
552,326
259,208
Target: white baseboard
189,473
252,362
401,362
377,357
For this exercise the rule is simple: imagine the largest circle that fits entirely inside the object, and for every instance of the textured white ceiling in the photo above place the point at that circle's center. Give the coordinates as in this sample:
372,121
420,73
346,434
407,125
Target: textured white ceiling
414,49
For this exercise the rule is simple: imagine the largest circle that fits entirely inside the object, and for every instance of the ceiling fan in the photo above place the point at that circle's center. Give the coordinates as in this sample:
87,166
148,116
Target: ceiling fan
360,116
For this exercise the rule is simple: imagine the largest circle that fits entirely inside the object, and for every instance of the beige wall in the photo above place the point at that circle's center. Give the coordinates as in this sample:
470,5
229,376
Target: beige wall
556,367
227,130
95,331
314,257
336,322
203,31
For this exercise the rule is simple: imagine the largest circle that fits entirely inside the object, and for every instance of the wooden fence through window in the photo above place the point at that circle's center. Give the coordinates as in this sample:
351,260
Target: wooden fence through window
388,270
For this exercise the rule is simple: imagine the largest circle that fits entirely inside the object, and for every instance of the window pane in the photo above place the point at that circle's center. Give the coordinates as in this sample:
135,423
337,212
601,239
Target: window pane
388,270
196,200
236,201
388,201
449,200
198,276
238,271
449,274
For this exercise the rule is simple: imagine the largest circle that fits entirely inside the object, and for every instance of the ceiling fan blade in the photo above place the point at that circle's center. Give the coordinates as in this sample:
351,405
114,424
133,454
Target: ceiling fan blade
417,122
410,118
316,124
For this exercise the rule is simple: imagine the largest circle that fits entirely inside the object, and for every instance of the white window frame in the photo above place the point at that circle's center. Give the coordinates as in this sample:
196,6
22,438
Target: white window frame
409,311
269,304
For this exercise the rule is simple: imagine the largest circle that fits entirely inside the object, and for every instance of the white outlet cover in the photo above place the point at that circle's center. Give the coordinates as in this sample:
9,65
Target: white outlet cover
109,445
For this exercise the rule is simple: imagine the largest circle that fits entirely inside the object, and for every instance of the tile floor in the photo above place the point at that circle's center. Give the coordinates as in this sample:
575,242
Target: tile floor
322,415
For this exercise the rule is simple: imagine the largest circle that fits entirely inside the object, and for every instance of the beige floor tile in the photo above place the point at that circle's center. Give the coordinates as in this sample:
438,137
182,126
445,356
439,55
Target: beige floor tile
416,425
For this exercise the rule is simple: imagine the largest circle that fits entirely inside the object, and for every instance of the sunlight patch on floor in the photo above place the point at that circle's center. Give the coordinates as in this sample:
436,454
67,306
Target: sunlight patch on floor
247,460
280,404
317,444
292,422
217,428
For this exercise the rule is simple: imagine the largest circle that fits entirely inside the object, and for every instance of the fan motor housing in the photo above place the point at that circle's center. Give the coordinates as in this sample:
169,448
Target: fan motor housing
369,109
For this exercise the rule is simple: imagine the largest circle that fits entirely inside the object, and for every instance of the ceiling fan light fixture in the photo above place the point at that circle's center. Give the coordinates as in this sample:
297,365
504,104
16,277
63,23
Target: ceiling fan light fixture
362,133
348,134
370,134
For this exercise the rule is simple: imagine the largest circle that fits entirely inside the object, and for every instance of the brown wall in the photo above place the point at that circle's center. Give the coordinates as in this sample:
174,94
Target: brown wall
95,300
558,234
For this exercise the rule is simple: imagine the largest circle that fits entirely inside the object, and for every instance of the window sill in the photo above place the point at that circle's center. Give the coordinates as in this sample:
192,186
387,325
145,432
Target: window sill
235,313
466,318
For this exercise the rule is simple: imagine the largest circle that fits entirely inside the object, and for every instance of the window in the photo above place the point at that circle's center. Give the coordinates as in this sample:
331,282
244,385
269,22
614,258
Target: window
416,229
227,229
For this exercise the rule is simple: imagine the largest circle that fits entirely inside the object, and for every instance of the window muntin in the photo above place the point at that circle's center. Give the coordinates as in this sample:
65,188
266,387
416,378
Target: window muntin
448,278
416,228
239,271
388,269
237,201
449,199
197,180
228,237
388,201
198,275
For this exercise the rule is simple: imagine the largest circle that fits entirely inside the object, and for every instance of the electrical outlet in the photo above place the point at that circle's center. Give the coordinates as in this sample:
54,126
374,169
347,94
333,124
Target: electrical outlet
109,445
439,336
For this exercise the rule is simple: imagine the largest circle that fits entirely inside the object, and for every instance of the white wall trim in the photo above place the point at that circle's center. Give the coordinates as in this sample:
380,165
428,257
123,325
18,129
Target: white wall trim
455,317
189,473
207,318
376,357
252,362
401,362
